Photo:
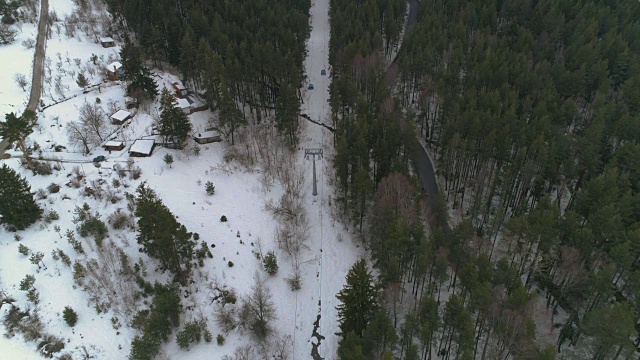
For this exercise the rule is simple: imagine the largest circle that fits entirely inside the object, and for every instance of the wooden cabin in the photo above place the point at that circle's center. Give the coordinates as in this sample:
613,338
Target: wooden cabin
142,148
115,71
113,145
120,117
107,42
185,105
207,137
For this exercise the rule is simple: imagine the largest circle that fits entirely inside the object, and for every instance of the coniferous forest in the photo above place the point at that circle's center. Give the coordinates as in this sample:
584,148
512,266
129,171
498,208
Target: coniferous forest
530,110
241,52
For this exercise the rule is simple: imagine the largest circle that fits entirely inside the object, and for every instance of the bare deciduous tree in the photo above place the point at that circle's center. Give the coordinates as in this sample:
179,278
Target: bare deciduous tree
93,117
90,129
21,80
79,136
258,310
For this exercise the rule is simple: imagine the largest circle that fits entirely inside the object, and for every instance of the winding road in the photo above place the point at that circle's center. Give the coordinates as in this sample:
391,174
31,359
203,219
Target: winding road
425,167
38,66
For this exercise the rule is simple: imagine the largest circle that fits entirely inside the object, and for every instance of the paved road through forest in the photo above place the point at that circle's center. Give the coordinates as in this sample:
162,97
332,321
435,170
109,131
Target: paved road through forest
425,167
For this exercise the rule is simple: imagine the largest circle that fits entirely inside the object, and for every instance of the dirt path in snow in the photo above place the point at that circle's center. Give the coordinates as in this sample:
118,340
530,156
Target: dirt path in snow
38,66
38,59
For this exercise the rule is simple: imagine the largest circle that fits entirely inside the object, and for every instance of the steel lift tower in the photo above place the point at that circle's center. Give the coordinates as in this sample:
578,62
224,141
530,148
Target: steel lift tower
313,153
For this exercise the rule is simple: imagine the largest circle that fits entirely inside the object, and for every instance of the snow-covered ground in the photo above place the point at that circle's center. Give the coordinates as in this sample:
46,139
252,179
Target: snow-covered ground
16,59
69,54
240,195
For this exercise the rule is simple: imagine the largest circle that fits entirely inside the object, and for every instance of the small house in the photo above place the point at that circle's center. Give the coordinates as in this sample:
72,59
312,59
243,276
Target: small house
107,42
185,105
115,71
206,137
130,102
120,117
113,145
180,89
142,147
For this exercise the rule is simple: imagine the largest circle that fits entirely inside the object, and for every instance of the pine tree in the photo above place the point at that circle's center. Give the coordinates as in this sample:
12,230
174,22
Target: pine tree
351,348
157,323
287,113
16,129
379,335
138,76
17,205
82,80
214,68
70,316
229,114
209,188
161,235
270,263
361,188
174,124
359,300
610,327
187,56
168,159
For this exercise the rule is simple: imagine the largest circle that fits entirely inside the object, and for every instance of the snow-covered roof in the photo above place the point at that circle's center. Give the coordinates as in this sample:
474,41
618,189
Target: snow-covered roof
183,103
205,134
179,85
114,143
106,39
121,115
142,146
114,65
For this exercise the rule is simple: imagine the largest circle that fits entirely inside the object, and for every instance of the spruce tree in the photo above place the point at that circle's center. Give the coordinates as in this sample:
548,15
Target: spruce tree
229,116
174,124
359,300
17,128
138,76
350,348
17,205
287,113
161,235
82,80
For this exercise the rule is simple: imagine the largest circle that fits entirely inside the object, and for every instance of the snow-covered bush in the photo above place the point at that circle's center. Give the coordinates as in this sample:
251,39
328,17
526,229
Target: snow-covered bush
42,167
225,316
53,188
51,216
29,43
49,345
7,34
120,219
23,249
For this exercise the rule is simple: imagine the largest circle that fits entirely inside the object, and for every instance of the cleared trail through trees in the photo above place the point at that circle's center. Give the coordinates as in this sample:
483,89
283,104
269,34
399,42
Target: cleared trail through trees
38,66
315,108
